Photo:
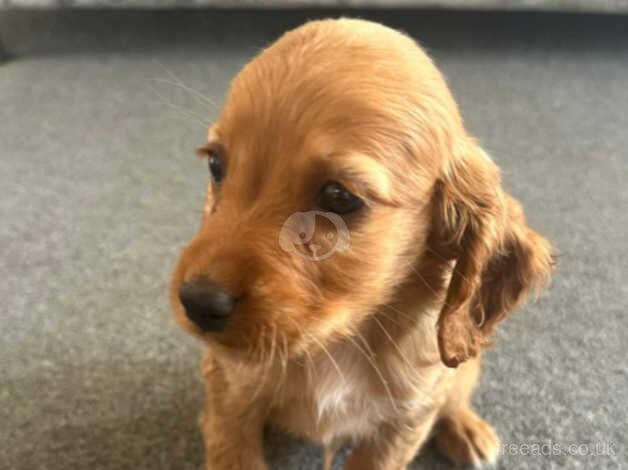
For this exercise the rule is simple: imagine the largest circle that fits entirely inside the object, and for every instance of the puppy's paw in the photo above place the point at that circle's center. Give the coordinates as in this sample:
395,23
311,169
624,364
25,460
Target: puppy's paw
467,439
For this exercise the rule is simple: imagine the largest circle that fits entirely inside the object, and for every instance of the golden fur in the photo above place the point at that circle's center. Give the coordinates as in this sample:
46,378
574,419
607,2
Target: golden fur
378,344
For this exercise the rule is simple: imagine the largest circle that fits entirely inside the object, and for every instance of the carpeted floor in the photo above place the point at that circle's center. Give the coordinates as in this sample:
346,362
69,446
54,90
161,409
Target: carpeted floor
100,189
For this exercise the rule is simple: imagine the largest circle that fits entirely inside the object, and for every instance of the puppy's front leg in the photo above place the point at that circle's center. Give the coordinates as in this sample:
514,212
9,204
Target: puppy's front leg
232,424
395,445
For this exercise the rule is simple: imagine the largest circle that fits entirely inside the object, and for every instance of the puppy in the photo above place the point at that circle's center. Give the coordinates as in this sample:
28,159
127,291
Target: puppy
356,252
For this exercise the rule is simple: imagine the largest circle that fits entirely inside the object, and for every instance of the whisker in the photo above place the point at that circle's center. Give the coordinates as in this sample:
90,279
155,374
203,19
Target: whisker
442,258
427,284
263,366
373,364
413,367
180,83
273,343
394,343
388,317
283,358
329,355
190,90
308,355
286,350
311,371
403,314
179,109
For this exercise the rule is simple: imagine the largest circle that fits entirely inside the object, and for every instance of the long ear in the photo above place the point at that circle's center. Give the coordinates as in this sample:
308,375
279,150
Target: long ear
498,259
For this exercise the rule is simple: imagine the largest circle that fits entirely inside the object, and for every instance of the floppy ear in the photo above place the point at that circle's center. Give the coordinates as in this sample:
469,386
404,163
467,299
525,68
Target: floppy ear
498,258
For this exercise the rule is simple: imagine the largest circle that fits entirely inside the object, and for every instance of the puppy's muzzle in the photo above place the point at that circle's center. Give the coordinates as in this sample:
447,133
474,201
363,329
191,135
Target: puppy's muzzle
207,305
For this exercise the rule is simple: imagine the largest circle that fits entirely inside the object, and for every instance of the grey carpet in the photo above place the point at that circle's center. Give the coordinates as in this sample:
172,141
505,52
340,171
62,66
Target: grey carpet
100,190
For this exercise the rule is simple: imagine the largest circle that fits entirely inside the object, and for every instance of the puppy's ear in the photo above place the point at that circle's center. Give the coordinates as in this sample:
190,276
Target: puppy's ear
498,258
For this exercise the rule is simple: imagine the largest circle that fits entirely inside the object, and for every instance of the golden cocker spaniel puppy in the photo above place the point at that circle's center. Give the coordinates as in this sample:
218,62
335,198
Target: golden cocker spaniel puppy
357,250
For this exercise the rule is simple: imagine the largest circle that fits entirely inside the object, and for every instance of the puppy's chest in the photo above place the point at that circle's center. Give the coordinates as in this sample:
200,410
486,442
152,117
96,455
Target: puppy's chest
328,406
349,408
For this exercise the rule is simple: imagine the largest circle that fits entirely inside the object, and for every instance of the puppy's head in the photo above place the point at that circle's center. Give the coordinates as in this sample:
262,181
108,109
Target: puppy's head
338,163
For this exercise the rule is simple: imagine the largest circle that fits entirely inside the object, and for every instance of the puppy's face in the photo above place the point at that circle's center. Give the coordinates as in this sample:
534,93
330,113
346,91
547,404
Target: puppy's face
323,169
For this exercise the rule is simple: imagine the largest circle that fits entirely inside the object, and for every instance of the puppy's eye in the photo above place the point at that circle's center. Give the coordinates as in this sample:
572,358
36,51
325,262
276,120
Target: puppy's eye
336,198
216,166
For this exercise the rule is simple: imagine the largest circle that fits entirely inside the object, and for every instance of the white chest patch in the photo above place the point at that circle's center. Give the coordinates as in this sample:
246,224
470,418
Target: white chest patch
349,411
336,399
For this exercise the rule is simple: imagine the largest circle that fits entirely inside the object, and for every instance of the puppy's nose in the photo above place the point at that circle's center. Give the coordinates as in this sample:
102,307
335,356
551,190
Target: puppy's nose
206,305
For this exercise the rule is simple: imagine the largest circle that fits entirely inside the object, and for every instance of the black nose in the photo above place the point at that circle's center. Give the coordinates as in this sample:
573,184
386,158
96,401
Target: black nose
206,305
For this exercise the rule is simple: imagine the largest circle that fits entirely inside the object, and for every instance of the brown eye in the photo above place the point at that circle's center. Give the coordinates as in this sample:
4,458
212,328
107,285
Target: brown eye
216,166
336,198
